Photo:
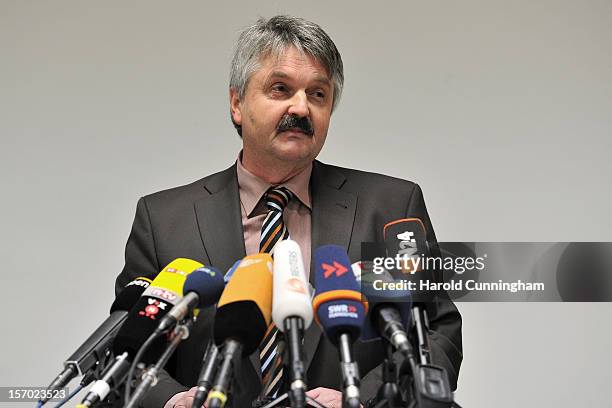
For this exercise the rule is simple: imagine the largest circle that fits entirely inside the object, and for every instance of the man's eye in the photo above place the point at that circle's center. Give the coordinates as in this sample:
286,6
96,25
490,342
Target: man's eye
318,94
279,88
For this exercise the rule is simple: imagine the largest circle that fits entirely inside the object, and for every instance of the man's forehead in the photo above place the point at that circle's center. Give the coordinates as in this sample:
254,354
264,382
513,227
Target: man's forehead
281,66
281,74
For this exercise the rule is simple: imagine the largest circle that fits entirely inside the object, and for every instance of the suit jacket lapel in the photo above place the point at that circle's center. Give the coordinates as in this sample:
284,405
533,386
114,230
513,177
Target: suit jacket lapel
220,224
333,215
220,221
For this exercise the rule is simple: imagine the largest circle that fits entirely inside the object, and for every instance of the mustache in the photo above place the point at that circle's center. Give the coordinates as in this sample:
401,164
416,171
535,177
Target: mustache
295,122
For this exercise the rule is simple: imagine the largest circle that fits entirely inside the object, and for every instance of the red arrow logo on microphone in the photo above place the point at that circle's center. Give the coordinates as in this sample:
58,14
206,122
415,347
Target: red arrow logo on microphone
339,269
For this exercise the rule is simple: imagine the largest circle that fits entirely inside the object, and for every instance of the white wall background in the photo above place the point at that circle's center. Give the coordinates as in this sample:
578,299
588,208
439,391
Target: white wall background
501,110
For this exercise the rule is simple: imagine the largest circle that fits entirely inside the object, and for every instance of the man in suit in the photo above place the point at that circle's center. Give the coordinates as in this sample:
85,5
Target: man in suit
286,78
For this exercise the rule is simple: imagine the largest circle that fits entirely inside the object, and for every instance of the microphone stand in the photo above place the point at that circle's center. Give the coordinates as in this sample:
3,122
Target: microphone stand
388,395
149,378
429,385
207,374
294,333
429,382
350,372
426,384
421,324
300,386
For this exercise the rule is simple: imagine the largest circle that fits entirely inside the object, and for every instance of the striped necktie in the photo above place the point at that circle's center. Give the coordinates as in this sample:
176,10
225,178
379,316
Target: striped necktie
273,231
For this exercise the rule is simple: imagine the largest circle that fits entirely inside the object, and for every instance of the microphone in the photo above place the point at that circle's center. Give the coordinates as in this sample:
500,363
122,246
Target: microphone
112,376
156,301
340,311
407,238
231,270
390,309
202,288
242,319
211,356
292,312
406,241
141,323
205,382
390,314
95,348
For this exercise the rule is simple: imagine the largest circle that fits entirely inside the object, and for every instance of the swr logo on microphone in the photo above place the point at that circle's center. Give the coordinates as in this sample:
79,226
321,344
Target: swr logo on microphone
337,311
336,268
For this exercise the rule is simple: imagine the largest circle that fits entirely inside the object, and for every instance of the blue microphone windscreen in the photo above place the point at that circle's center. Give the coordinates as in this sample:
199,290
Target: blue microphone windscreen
333,270
338,301
207,282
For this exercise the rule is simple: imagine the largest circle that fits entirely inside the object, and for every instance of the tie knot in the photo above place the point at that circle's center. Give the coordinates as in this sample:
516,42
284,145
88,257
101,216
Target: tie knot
278,197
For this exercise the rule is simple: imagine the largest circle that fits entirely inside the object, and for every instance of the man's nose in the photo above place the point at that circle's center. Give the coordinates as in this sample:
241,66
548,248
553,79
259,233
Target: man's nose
299,105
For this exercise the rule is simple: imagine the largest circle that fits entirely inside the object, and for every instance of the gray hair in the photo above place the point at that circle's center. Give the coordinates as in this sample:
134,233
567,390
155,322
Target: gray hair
272,37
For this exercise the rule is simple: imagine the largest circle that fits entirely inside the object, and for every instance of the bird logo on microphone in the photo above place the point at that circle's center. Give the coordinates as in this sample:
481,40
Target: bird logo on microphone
152,309
334,269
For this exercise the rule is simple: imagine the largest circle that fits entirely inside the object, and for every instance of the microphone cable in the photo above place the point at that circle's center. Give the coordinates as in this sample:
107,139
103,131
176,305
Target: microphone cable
149,377
154,336
69,397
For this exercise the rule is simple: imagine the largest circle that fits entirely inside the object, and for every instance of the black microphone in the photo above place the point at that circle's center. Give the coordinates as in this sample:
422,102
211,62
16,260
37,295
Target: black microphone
165,292
202,288
390,306
142,321
340,310
242,318
210,359
207,374
407,238
292,313
94,350
113,376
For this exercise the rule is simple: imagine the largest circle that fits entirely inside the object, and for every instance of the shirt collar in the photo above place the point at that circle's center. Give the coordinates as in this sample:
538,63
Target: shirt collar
252,188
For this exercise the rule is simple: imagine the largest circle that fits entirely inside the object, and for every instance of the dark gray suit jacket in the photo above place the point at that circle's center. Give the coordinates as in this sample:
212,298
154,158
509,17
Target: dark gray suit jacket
202,221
